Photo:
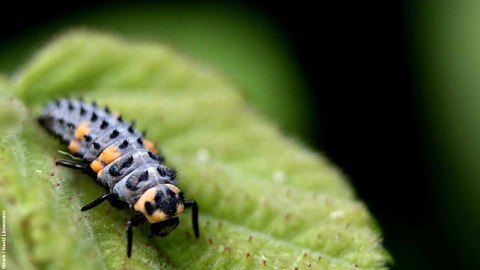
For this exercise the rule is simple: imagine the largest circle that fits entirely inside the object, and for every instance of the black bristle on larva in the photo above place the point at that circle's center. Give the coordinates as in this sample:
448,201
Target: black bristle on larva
161,171
106,109
114,134
87,138
143,177
170,172
104,124
94,117
128,162
82,111
140,140
120,119
113,171
70,125
131,130
94,104
70,106
96,145
131,186
116,170
152,155
123,145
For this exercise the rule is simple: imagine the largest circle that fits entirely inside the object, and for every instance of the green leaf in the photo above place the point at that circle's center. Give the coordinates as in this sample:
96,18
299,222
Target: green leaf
265,200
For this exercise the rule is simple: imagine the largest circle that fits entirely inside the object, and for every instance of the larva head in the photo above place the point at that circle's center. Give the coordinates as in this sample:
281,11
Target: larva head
161,203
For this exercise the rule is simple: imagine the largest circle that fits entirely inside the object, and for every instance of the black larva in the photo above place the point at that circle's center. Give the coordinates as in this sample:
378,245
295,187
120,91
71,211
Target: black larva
123,162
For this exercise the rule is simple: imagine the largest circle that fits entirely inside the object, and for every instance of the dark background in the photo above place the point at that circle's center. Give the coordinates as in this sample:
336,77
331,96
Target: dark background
366,109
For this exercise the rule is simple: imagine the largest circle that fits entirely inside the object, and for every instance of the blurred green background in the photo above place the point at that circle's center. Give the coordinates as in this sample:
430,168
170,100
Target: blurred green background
389,91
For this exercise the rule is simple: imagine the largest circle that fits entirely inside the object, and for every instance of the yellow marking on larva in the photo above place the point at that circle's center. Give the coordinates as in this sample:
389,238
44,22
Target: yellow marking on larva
82,130
96,166
158,215
180,209
176,190
109,154
173,188
150,146
73,146
149,196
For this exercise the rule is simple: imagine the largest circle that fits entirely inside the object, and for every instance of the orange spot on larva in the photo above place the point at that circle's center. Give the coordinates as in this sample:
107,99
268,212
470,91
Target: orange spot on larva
73,146
96,166
82,130
109,154
150,146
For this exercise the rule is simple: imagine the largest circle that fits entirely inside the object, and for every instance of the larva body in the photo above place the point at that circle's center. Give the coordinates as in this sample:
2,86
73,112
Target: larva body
121,160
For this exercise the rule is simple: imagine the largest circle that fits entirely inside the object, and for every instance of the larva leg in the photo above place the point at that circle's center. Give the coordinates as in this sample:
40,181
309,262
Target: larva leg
194,206
71,165
77,166
129,237
95,202
133,222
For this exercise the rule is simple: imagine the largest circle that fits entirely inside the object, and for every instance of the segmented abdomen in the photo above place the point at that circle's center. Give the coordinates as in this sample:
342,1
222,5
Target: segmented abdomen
123,160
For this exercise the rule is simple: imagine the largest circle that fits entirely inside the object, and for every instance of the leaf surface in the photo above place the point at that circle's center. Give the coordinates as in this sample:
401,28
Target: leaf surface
265,200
